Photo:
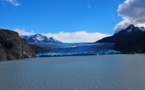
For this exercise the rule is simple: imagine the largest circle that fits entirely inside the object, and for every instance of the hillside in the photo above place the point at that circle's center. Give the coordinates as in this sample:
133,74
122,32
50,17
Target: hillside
13,47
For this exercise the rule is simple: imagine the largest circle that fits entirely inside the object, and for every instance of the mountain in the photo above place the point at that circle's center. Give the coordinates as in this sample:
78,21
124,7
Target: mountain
133,45
129,40
13,47
129,33
40,38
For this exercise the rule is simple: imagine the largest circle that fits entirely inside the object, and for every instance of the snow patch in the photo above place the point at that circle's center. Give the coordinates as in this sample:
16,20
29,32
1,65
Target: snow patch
39,38
130,30
141,28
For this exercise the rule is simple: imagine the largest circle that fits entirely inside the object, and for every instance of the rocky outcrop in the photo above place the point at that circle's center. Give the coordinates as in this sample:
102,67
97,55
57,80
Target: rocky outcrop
13,47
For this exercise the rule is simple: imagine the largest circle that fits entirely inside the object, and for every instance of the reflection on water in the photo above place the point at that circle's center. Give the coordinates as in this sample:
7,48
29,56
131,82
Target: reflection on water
119,72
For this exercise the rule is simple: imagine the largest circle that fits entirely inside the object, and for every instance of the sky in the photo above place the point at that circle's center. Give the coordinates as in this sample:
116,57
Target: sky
71,20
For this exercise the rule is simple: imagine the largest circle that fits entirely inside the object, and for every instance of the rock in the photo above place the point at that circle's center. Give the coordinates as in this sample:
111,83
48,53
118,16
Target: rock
13,47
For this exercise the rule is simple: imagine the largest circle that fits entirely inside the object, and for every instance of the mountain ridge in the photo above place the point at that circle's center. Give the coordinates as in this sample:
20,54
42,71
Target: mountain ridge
39,38
128,41
130,32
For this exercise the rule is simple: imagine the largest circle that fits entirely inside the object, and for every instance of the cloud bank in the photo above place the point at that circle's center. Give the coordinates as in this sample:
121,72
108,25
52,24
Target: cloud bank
78,36
132,12
23,32
69,37
12,2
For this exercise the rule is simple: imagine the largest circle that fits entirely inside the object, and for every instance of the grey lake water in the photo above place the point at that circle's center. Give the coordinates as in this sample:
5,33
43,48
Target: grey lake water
108,72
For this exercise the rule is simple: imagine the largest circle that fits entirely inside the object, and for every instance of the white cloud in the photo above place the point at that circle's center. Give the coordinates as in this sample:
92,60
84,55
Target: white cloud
69,37
78,36
12,2
132,12
23,32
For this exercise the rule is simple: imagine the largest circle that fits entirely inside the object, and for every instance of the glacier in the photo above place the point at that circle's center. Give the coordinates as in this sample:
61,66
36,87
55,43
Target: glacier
74,49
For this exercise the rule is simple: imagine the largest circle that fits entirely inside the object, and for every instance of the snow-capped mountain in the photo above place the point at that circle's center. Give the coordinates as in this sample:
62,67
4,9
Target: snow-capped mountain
129,40
131,28
40,38
130,32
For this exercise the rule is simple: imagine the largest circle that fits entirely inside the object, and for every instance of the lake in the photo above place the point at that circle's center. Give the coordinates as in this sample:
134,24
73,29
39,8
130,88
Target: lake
105,72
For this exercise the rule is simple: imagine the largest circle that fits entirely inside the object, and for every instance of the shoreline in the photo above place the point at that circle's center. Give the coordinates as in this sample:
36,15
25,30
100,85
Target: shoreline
67,57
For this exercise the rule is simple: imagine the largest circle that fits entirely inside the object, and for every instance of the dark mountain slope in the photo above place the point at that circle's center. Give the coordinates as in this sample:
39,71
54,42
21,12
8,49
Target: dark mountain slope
13,47
134,45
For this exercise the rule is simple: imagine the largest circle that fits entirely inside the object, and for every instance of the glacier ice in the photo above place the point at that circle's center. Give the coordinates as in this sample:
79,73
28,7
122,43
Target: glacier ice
75,49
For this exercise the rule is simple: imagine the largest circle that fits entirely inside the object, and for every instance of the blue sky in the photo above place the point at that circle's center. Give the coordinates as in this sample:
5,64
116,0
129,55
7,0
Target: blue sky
60,16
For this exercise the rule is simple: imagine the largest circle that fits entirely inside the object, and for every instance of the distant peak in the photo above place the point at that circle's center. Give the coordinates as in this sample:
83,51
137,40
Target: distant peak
131,26
131,29
40,38
38,34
